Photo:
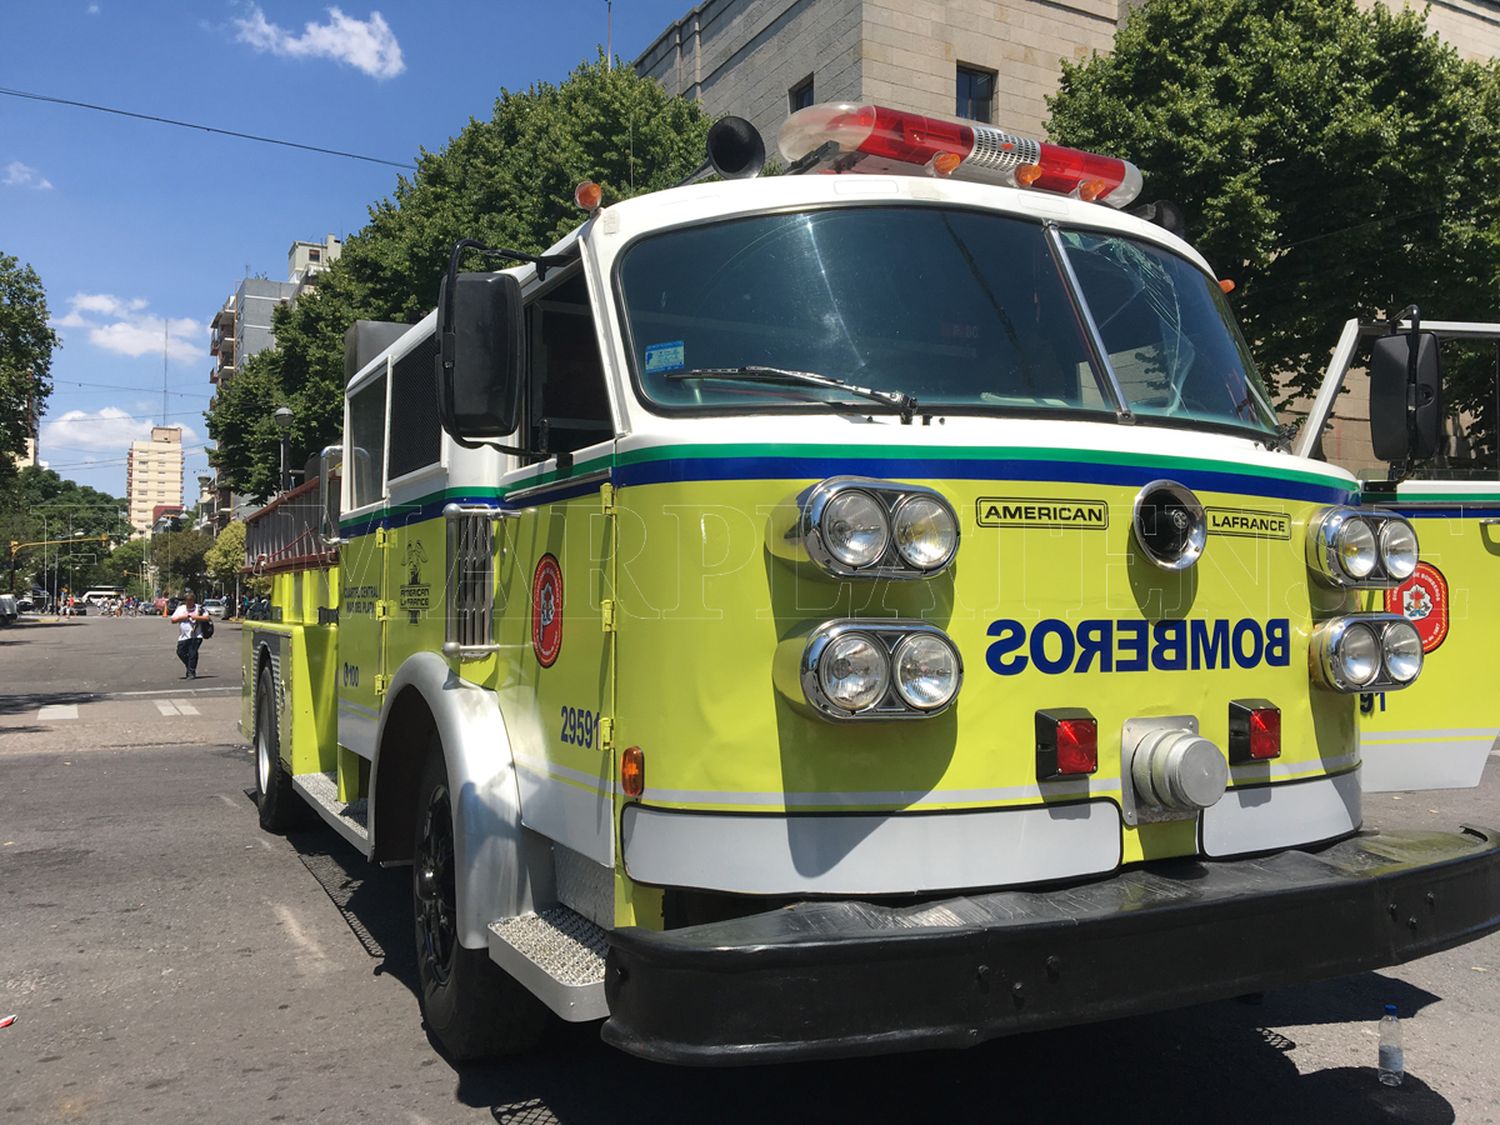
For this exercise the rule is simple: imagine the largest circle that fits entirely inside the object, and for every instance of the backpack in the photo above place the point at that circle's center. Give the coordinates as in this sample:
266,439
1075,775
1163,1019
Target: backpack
205,629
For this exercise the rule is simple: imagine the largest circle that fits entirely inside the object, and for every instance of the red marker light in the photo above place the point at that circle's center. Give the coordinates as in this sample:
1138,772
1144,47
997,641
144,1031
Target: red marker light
1254,731
1067,743
878,138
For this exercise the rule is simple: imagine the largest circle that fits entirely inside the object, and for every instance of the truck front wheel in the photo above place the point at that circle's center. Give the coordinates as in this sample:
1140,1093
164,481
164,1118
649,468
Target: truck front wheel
471,1006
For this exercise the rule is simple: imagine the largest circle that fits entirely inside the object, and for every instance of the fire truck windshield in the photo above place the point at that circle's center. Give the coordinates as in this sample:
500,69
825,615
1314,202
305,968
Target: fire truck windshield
965,311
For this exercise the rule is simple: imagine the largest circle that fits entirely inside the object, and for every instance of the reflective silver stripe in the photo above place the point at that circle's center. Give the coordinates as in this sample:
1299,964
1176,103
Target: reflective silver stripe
1270,817
877,854
1452,764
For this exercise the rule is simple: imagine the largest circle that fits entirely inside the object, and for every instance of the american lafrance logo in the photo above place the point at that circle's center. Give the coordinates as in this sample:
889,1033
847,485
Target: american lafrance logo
1248,523
1024,511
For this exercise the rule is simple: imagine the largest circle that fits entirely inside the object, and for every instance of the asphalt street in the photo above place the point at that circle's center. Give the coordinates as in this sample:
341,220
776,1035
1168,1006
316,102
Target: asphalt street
169,962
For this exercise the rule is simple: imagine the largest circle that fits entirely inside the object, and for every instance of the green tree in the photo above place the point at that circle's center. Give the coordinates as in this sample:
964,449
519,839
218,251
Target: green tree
508,182
179,559
226,557
37,504
26,346
1333,162
124,567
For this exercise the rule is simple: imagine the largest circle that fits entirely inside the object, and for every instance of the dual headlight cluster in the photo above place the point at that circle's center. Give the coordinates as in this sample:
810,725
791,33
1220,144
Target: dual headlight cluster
858,527
1367,652
1361,549
883,669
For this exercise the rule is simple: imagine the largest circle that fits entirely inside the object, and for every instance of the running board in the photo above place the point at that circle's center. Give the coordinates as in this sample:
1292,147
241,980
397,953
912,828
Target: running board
557,956
349,819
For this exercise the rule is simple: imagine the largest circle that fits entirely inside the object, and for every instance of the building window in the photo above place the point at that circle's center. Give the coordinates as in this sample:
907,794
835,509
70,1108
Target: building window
800,96
314,255
976,94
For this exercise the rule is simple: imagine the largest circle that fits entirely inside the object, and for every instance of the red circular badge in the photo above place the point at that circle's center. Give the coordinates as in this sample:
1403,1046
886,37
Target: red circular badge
1423,600
547,611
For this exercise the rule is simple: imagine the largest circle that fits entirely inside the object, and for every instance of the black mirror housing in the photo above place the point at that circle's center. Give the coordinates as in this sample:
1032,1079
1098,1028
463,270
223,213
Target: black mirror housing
481,359
1400,432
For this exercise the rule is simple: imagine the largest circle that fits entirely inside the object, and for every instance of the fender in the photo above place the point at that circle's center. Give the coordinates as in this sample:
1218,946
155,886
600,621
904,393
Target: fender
502,869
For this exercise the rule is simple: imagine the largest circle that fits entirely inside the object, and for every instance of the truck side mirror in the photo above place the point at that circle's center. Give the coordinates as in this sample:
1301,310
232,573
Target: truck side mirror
481,355
330,481
1406,401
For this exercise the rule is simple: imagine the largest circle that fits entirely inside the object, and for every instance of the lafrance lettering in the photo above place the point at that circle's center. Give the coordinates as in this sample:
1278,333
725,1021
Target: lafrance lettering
1053,646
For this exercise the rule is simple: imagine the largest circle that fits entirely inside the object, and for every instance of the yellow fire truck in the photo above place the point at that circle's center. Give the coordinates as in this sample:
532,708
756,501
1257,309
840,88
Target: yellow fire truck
862,609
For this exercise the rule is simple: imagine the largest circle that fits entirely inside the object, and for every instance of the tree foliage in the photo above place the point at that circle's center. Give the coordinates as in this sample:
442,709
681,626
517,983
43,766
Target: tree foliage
1334,162
26,346
178,557
227,556
507,182
37,504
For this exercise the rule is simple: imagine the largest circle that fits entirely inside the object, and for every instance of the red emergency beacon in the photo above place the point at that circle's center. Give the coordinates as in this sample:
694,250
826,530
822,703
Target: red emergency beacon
842,137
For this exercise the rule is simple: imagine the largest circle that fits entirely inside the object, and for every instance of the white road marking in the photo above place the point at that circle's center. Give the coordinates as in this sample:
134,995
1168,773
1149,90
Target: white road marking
166,707
312,956
232,804
184,707
57,711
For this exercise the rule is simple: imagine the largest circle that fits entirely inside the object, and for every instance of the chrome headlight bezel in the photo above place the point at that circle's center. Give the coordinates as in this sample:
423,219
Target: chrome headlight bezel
809,528
1323,531
1194,530
889,634
1328,636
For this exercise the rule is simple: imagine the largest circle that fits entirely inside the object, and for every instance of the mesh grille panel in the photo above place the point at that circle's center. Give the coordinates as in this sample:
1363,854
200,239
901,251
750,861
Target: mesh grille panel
415,432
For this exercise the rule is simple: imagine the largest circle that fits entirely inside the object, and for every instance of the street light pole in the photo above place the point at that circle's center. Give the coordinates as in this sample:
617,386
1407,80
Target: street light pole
284,418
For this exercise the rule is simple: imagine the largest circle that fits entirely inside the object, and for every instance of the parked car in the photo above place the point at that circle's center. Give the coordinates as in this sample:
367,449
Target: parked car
214,607
25,604
9,611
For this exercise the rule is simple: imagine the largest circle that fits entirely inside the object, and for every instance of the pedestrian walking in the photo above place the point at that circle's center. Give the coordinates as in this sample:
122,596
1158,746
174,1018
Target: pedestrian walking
189,621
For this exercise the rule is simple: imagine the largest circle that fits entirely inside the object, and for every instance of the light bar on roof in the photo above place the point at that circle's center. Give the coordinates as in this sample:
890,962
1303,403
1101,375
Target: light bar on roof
842,137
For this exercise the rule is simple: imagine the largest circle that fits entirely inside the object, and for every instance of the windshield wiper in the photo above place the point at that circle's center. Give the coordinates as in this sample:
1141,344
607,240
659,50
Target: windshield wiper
755,373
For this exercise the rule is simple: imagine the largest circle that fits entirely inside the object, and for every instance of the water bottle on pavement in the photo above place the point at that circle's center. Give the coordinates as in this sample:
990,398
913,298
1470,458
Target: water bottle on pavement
1392,1065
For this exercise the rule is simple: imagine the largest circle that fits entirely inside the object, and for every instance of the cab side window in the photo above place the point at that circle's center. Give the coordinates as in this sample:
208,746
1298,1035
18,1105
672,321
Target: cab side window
366,462
567,403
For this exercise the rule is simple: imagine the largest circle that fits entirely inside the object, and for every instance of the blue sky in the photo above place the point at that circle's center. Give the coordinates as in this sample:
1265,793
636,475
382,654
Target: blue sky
130,222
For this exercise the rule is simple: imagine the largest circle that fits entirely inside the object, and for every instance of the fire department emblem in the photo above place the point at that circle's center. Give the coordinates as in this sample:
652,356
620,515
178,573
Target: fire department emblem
546,611
1423,600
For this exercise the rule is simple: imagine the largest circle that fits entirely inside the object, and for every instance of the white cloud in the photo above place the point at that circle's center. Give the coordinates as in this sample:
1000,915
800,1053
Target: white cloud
123,326
107,430
24,175
92,9
367,45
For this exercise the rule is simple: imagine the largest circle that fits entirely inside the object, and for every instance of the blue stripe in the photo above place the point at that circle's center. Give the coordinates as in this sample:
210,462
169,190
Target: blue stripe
1072,472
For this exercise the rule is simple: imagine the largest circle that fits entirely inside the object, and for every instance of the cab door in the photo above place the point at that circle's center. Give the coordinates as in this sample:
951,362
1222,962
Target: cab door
1439,733
555,584
364,607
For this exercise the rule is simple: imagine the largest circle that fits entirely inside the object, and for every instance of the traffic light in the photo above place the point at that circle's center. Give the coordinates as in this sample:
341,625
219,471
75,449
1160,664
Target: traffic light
15,547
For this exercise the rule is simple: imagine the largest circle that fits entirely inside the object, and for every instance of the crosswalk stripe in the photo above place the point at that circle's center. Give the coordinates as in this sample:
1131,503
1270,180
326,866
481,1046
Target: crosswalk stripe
166,706
57,711
184,707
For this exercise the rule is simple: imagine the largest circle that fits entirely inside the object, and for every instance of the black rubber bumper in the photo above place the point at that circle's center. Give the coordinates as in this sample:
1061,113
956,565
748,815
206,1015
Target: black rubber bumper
824,979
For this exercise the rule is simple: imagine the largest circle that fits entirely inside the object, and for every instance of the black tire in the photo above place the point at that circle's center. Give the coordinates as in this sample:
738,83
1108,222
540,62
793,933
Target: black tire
279,806
472,1007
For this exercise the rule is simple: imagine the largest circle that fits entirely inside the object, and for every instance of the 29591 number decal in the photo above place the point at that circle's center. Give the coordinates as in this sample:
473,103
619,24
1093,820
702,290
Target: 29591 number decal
579,727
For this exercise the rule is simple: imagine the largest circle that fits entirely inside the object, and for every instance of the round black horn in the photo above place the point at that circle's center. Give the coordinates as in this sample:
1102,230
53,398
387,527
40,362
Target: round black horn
735,149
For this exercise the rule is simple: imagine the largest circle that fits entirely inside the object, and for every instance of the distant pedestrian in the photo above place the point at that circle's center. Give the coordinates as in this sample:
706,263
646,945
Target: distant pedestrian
189,621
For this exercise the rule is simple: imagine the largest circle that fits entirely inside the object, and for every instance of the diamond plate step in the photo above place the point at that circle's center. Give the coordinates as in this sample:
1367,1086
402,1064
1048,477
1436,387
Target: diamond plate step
558,956
349,819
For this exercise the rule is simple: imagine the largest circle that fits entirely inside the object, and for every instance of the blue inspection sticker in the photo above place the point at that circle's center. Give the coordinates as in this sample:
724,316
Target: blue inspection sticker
665,357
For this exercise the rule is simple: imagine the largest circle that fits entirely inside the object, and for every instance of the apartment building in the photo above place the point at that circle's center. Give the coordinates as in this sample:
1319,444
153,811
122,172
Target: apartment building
153,476
994,61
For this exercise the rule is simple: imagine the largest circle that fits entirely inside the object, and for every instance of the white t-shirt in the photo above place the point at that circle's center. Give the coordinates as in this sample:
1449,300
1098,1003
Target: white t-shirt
187,628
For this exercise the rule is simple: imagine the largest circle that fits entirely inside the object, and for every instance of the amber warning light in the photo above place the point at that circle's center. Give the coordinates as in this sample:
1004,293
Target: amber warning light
869,138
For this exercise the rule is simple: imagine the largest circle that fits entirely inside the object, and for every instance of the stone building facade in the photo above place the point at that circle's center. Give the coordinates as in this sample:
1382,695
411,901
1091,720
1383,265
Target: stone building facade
757,58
